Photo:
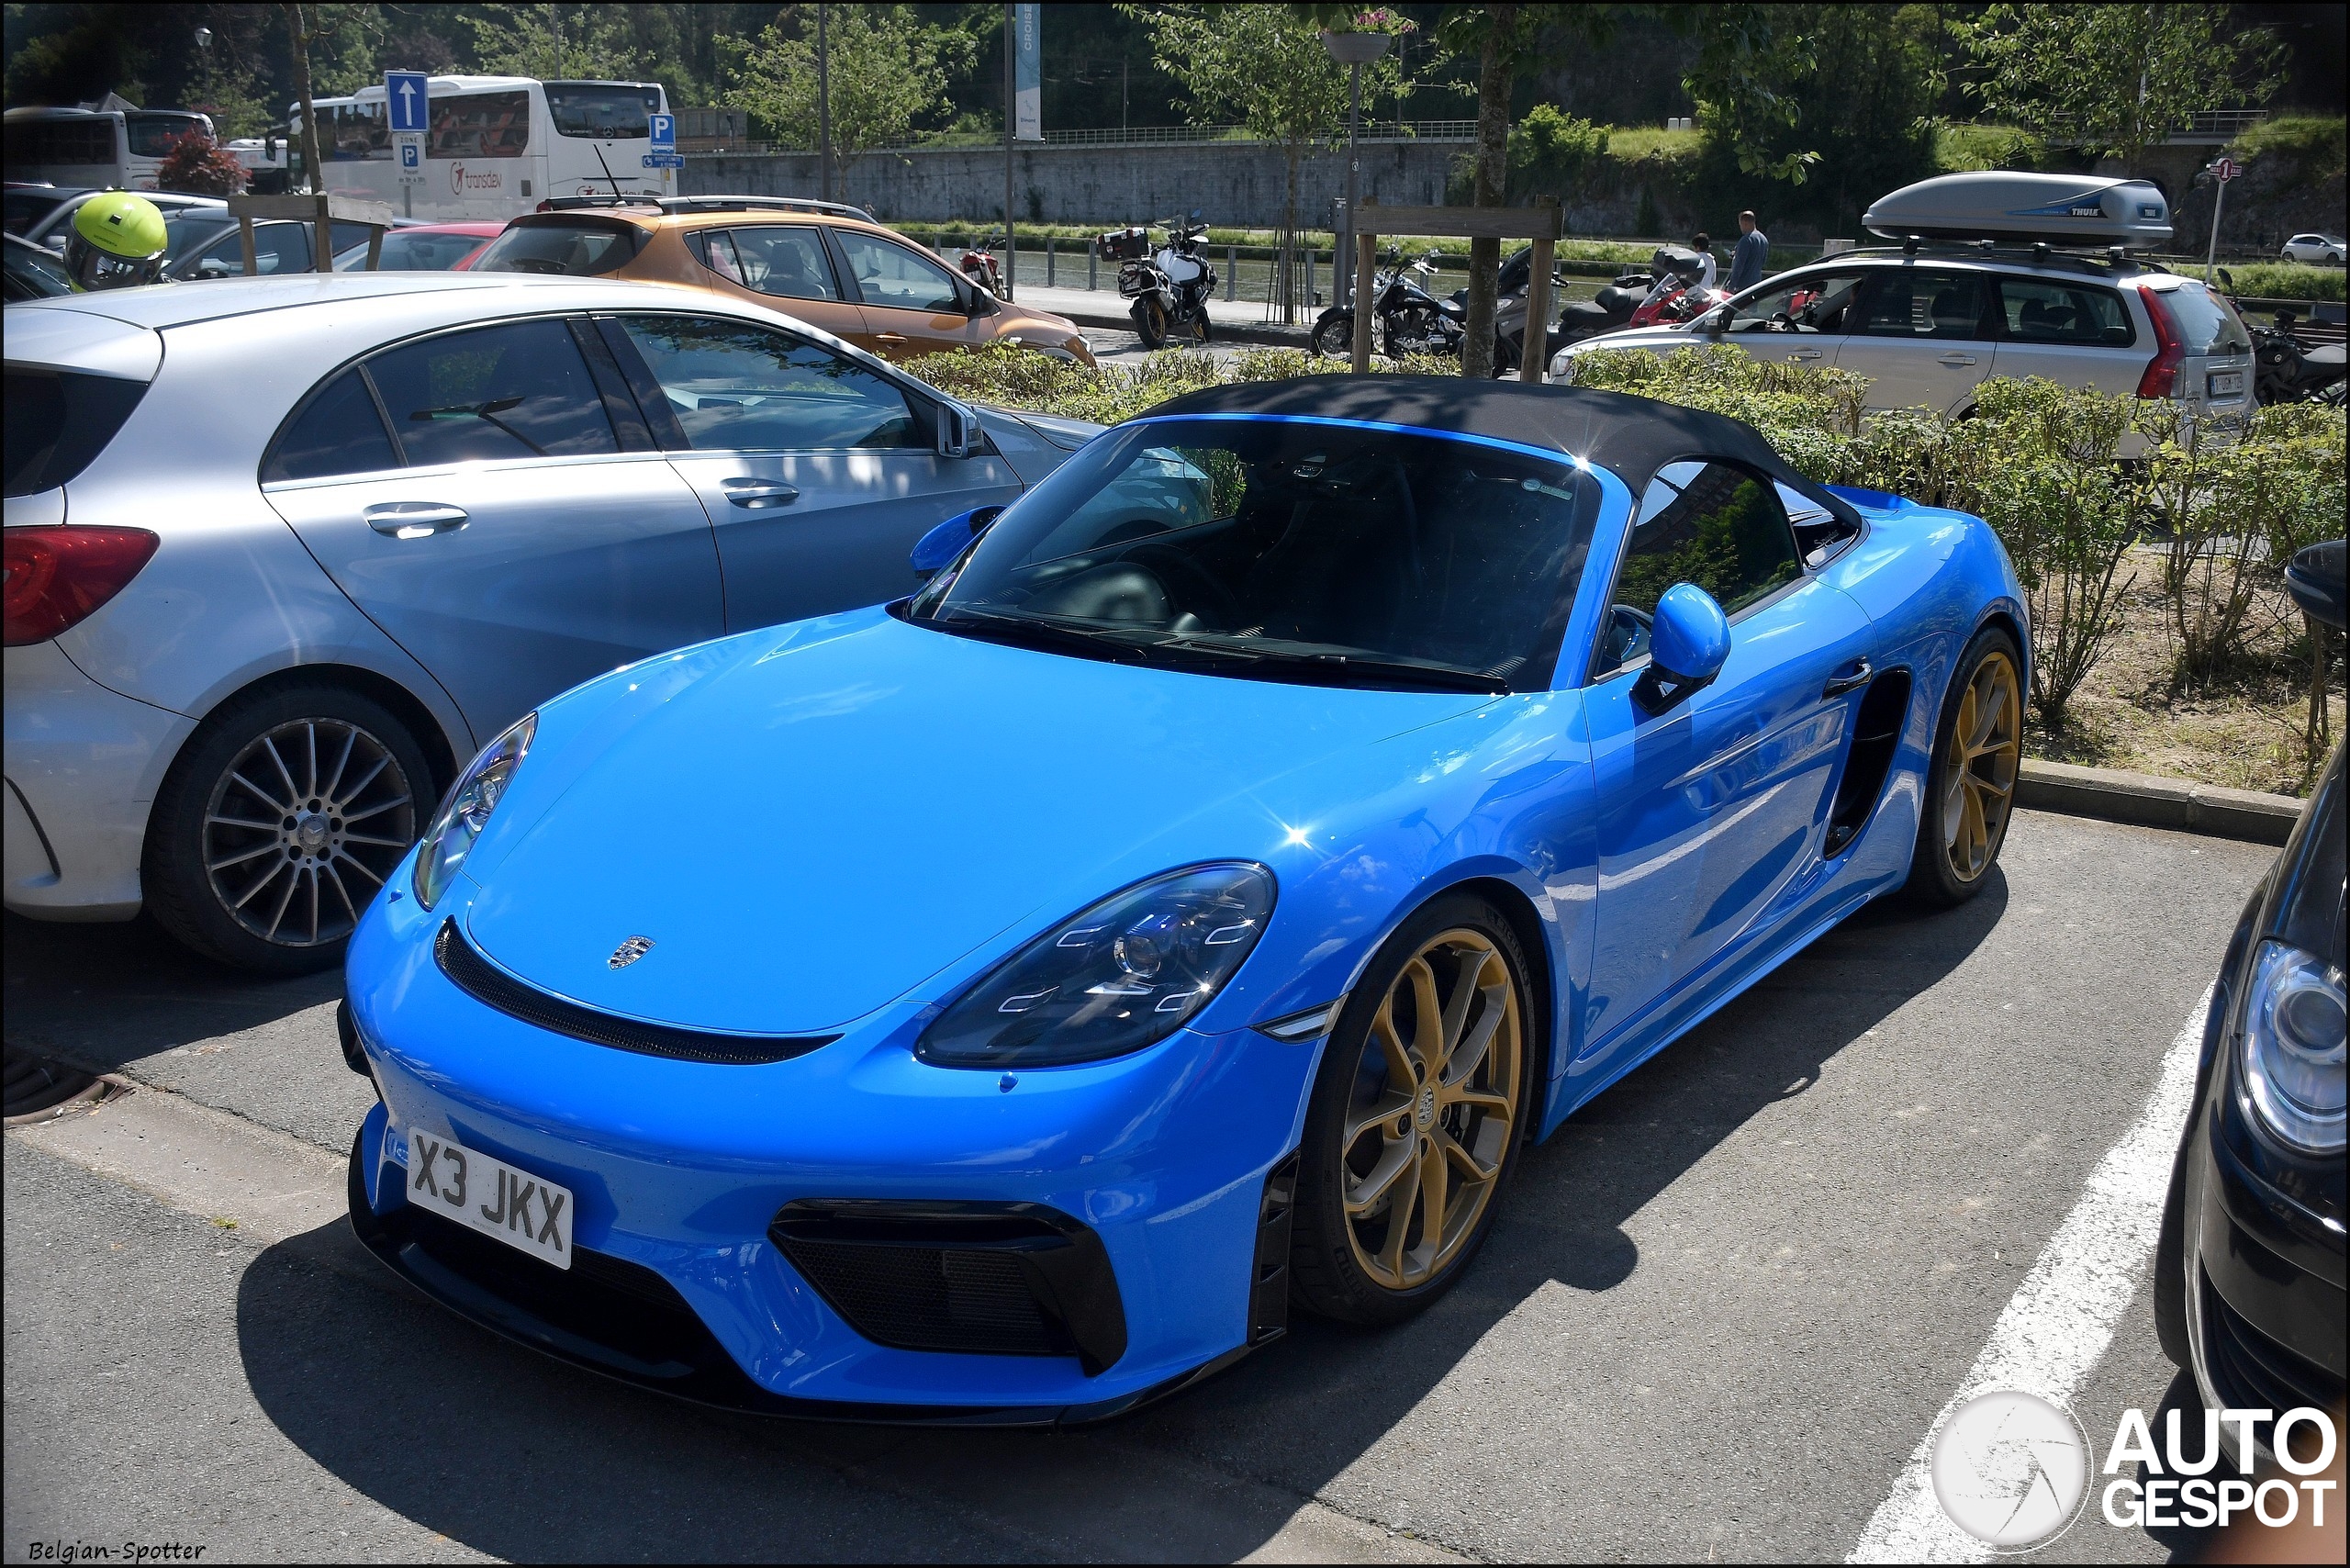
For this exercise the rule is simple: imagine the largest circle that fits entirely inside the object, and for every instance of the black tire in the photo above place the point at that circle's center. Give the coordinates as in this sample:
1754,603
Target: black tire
1327,1268
1506,350
1953,862
2170,1264
210,832
1150,323
1333,335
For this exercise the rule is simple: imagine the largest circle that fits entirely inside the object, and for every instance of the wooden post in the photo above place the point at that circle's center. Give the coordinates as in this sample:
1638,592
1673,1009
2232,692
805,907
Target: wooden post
1534,351
245,233
1366,263
375,250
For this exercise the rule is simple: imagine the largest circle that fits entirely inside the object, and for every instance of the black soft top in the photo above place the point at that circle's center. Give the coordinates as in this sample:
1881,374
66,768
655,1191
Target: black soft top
1630,437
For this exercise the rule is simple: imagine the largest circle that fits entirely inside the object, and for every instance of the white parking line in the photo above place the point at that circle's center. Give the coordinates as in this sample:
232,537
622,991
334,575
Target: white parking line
2055,1328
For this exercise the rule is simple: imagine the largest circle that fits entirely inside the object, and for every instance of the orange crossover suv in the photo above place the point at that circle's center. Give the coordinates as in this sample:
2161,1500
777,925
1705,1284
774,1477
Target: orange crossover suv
831,265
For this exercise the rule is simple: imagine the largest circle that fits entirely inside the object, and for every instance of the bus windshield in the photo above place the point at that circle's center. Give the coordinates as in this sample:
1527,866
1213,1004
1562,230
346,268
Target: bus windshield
606,111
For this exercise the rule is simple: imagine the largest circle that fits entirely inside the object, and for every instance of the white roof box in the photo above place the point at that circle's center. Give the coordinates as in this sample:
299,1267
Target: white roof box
2056,209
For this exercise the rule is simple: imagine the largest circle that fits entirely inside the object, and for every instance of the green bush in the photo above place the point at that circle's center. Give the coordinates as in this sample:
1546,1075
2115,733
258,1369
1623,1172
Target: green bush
1964,148
2283,280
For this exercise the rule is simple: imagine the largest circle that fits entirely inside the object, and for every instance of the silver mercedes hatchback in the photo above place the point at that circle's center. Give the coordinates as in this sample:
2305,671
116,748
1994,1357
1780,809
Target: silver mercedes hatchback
283,552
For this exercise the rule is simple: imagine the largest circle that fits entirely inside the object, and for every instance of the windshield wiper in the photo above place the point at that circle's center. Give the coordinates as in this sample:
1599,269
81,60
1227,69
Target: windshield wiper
1017,628
1339,668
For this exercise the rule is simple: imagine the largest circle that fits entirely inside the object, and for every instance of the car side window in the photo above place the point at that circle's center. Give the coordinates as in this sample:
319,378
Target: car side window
1820,533
519,390
1819,300
339,432
739,387
2042,311
1711,523
893,277
1919,302
790,263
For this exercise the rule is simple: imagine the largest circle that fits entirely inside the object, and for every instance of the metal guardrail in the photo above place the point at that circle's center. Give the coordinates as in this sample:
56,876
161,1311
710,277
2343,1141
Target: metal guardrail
2205,125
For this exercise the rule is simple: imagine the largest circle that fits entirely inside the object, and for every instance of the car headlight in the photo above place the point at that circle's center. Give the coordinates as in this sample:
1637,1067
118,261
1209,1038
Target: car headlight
1113,980
2293,1020
466,810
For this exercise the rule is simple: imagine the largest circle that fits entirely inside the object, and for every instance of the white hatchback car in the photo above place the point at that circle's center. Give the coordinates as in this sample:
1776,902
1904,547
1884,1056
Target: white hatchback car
2322,250
281,552
1926,326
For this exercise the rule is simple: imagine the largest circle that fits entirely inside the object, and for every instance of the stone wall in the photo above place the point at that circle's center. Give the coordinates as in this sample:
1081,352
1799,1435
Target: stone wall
1237,185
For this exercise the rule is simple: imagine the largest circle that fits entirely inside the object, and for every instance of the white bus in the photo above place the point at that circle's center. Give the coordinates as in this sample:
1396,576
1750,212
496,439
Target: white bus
101,148
497,145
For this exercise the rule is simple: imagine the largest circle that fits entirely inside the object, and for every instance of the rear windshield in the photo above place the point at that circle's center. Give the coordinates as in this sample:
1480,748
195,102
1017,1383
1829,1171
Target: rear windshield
59,420
576,247
601,109
2207,321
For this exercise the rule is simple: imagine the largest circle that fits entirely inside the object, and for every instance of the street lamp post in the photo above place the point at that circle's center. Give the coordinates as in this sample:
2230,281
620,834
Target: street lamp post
1353,51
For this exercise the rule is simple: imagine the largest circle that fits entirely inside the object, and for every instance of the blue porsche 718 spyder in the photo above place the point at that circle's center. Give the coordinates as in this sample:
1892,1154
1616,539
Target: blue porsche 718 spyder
1006,1003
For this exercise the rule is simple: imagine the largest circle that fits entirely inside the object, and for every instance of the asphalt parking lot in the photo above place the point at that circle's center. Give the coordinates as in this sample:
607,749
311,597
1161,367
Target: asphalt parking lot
1722,1308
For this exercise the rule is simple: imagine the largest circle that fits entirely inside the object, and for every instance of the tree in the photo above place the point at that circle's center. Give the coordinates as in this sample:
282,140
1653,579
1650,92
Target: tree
1745,86
1264,66
554,42
197,164
2116,79
887,70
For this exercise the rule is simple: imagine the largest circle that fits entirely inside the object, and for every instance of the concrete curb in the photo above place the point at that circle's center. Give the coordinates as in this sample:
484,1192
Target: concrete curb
2149,801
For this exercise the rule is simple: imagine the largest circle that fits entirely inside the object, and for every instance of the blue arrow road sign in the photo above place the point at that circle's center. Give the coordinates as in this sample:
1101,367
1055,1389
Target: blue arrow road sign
665,132
405,92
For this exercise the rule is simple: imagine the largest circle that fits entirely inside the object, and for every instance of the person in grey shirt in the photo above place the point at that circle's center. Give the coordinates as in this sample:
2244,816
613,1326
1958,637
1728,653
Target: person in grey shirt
1751,258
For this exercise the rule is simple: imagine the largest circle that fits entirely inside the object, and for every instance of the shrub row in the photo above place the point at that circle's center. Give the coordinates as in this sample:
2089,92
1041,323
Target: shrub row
2070,479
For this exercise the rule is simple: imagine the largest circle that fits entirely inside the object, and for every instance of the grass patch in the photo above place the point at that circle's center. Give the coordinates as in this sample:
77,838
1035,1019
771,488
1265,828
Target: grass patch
2281,280
2313,144
1654,144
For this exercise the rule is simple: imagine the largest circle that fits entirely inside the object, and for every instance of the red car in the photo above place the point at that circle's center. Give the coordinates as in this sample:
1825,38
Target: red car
424,248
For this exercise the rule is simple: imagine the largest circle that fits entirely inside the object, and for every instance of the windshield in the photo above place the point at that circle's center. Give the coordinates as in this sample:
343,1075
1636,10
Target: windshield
181,235
1289,550
412,251
2207,322
153,133
569,247
606,111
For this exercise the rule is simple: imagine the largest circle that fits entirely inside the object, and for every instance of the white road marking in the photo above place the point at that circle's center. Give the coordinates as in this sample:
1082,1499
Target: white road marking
2055,1328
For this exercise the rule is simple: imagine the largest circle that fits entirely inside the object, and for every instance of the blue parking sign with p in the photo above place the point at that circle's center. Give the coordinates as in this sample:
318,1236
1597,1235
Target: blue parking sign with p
664,132
405,92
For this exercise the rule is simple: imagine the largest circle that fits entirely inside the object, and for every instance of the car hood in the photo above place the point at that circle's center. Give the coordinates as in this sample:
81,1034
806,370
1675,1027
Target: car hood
814,821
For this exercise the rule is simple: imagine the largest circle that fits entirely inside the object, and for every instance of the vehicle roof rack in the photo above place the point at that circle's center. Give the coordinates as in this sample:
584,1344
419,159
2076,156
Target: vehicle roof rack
705,204
2111,261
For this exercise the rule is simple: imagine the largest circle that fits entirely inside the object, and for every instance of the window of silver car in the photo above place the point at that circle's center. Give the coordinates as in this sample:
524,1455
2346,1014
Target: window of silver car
1711,523
1919,302
58,422
2208,323
739,387
787,262
1820,301
337,431
893,277
518,389
2049,310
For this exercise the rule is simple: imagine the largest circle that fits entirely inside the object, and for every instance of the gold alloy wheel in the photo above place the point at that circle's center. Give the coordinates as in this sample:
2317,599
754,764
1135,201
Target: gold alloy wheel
1434,1107
1979,772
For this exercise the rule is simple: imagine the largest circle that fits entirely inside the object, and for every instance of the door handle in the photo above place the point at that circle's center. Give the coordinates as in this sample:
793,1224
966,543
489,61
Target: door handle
1805,354
759,494
892,338
414,520
1855,676
1955,359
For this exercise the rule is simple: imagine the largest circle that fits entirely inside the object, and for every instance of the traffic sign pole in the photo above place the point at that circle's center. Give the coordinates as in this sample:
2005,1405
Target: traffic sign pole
2222,170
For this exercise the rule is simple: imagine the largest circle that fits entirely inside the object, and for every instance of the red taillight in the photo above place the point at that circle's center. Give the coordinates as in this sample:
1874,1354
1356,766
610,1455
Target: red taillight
56,576
2161,379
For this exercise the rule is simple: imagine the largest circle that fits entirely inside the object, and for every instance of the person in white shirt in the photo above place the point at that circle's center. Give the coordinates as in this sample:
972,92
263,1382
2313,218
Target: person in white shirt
1703,245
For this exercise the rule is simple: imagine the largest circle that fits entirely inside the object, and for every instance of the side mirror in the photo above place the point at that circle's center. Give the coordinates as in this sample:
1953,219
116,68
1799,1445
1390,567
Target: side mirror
938,549
2227,281
1687,645
958,431
1718,319
2314,579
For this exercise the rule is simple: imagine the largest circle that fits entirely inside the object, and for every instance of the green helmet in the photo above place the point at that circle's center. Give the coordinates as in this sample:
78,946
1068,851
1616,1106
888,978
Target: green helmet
118,238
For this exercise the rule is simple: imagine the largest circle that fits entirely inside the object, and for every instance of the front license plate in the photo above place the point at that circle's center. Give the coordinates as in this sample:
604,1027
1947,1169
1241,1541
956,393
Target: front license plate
527,1212
2227,384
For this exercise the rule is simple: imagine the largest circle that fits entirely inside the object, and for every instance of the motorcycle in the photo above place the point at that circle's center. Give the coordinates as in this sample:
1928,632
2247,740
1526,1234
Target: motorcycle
1171,287
2287,370
1411,319
982,268
1675,296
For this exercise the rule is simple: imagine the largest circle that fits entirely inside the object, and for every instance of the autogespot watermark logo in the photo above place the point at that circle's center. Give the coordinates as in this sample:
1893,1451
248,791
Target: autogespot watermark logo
2011,1469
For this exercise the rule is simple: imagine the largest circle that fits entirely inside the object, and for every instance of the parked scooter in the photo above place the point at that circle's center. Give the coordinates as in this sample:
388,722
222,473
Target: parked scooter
981,267
1410,320
1171,287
